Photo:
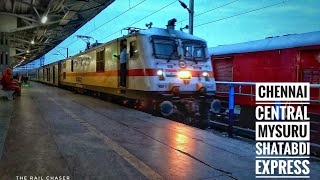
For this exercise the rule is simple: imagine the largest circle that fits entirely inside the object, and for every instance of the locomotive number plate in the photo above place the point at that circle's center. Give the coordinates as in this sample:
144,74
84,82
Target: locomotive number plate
162,86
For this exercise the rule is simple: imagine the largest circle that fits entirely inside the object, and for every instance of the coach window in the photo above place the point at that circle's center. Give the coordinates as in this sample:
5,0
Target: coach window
1,60
133,51
100,61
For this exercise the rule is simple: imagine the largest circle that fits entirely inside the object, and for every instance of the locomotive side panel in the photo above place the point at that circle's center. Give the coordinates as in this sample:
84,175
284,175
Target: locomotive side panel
83,74
138,65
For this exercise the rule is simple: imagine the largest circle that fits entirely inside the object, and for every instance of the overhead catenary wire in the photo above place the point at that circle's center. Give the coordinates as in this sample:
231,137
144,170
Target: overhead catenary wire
130,8
111,19
135,21
215,8
140,19
239,14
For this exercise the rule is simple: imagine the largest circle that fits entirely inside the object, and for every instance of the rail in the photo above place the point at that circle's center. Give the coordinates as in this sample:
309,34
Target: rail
232,93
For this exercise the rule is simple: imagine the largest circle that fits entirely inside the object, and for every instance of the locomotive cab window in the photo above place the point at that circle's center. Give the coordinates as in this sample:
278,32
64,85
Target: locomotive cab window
133,50
165,48
193,50
100,61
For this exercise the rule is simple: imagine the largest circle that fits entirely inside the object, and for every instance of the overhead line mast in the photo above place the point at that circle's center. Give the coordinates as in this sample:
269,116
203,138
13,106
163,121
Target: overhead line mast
191,13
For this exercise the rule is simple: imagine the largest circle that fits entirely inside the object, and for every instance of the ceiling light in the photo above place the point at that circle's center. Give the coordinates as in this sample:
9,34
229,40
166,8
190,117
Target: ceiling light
32,41
28,51
44,19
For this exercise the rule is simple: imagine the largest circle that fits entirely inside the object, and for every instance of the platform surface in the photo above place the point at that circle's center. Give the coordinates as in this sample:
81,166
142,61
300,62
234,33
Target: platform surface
53,132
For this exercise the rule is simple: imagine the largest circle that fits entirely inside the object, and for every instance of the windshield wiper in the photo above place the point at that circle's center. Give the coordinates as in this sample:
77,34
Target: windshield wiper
171,55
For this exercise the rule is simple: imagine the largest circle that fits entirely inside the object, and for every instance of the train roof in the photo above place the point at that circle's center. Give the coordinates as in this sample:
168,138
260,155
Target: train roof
169,33
279,42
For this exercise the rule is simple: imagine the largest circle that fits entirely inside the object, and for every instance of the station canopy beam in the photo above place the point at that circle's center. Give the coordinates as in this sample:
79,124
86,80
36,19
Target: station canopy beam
34,27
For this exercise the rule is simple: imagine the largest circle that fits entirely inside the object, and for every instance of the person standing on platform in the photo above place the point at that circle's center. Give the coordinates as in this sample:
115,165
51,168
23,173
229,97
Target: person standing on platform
8,84
123,65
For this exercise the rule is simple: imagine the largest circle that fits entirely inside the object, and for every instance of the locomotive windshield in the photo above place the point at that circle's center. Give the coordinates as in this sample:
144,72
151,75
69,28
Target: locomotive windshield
165,48
194,50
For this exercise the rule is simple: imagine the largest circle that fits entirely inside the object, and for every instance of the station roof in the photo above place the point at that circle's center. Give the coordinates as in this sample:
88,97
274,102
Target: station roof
21,20
271,43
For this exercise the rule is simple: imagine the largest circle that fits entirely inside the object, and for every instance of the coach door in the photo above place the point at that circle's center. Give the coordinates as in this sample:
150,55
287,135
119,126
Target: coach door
53,74
59,73
223,71
309,68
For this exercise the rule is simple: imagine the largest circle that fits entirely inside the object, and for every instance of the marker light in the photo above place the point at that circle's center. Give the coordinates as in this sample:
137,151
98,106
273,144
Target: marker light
184,75
206,76
44,19
160,74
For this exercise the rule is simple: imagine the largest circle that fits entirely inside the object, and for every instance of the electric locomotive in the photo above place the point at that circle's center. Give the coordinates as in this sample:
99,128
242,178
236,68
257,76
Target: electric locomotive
168,71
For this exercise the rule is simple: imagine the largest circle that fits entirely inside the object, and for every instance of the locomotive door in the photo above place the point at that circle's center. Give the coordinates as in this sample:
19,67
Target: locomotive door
122,63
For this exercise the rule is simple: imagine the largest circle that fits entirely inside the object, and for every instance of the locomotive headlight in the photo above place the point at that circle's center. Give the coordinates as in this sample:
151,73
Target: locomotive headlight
206,75
160,74
184,74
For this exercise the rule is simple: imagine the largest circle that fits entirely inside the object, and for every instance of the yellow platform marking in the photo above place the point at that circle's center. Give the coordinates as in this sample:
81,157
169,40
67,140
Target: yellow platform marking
147,171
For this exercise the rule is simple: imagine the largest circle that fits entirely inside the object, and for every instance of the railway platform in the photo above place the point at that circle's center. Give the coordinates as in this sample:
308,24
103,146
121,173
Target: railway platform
51,132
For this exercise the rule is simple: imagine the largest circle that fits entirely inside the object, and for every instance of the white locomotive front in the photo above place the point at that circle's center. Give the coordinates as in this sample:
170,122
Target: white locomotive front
179,62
